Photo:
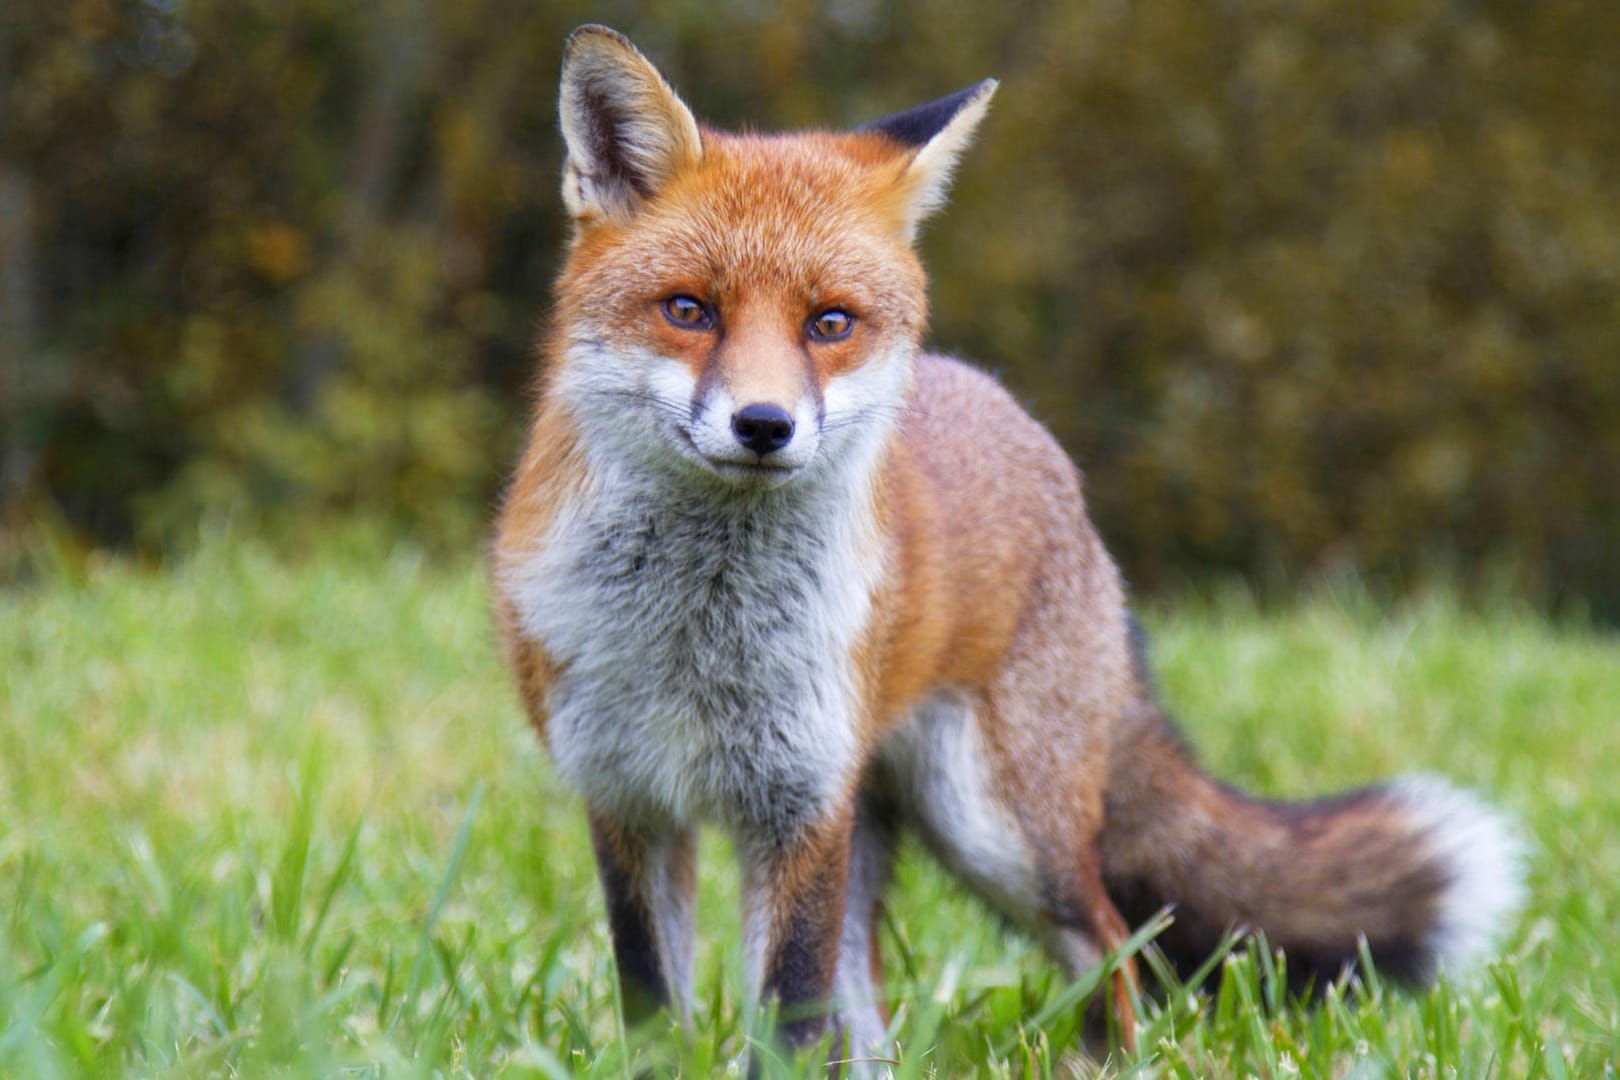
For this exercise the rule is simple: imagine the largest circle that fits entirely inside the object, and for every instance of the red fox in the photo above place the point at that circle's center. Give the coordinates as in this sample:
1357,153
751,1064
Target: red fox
767,564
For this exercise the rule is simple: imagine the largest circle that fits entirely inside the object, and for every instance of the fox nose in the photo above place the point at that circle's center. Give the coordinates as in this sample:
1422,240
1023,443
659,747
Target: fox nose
762,428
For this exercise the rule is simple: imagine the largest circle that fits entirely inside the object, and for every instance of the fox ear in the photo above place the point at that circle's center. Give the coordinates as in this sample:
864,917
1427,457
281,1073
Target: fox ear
626,130
936,134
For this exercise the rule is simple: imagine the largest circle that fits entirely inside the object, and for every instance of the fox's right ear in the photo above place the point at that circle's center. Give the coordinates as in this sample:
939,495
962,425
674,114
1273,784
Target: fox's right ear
626,130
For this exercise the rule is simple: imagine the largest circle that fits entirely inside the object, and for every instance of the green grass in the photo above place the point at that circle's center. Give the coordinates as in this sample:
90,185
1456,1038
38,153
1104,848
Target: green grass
266,818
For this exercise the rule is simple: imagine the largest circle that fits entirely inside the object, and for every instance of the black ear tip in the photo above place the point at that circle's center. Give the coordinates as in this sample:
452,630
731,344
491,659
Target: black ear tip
915,127
593,34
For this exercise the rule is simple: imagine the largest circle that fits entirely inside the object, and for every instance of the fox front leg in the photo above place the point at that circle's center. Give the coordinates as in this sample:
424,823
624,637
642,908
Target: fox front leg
648,882
793,899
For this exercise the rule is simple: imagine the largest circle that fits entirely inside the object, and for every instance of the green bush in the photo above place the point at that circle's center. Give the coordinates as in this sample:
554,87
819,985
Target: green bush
1305,287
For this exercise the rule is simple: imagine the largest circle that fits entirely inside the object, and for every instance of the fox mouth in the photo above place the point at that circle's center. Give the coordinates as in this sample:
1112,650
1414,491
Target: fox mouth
756,473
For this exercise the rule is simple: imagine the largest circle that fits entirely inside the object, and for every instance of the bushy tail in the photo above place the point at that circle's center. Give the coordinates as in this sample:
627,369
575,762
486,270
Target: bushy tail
1428,873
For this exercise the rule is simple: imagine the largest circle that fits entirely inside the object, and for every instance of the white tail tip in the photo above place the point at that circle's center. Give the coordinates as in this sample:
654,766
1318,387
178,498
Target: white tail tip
1483,852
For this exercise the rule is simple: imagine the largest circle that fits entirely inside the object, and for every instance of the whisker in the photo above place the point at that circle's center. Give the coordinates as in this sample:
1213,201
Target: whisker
674,410
863,415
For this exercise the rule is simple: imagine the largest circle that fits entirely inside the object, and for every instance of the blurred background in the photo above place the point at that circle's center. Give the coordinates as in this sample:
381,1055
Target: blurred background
1308,288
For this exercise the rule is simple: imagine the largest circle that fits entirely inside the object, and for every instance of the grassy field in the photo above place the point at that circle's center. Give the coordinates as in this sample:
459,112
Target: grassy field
261,818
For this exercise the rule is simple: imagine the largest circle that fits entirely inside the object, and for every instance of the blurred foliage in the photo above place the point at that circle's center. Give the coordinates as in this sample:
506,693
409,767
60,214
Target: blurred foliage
1305,286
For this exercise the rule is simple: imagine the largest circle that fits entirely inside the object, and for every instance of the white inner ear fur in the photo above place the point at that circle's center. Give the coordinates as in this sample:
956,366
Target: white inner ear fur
622,124
930,171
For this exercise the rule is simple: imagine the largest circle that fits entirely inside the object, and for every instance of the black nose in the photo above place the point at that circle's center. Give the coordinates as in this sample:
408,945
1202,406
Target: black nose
762,428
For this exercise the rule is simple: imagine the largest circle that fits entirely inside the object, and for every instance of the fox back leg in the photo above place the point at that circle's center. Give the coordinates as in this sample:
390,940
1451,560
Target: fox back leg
1042,871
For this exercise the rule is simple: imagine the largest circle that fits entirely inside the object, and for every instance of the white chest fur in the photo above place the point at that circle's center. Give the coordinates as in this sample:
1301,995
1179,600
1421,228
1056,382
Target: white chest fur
703,644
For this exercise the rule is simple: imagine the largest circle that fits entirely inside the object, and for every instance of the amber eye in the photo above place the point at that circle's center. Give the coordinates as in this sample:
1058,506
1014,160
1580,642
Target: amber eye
834,324
688,312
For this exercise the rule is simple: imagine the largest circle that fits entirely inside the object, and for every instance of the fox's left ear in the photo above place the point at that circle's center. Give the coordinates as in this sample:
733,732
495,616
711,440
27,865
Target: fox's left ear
936,134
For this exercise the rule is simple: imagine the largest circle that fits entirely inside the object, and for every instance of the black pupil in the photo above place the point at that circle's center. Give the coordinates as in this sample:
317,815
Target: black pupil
832,323
686,309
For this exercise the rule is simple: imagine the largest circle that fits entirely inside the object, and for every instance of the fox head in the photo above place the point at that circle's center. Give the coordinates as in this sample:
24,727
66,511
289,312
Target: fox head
743,308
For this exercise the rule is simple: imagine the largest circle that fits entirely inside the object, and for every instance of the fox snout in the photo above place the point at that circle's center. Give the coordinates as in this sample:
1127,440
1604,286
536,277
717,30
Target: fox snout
759,440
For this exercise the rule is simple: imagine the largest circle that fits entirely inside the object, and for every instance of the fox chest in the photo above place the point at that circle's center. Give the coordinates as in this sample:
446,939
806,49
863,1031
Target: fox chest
704,659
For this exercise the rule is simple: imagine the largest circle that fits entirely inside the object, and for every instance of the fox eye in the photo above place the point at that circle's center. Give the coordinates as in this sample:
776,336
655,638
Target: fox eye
834,324
688,312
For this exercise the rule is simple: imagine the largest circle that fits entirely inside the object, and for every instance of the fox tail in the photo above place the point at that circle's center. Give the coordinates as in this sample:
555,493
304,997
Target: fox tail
1428,874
